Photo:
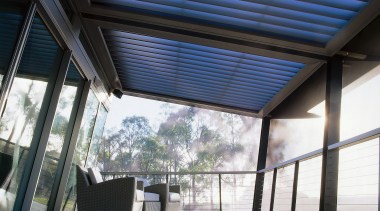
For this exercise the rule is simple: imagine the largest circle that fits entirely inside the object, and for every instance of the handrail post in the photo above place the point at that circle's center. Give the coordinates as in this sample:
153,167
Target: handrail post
273,189
295,185
220,192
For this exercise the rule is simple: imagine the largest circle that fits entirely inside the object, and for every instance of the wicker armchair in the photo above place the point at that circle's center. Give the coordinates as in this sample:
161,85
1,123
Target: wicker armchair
169,196
117,194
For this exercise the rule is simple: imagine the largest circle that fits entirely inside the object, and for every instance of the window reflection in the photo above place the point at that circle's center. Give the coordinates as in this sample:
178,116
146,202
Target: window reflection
97,137
86,130
24,111
57,138
11,18
81,150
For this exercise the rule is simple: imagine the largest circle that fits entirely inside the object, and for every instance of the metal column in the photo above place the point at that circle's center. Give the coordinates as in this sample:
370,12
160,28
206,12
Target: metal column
330,159
259,183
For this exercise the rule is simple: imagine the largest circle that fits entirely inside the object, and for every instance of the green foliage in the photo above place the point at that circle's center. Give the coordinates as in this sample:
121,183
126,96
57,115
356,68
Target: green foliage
189,139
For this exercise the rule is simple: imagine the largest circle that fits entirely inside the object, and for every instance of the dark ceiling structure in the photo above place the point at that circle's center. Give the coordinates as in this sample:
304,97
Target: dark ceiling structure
243,57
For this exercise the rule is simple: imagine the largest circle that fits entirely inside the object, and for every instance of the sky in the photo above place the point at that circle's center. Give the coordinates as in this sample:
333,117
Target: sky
130,106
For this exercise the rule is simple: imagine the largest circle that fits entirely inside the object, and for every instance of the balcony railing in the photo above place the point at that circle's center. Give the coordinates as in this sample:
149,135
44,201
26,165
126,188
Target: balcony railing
204,190
234,190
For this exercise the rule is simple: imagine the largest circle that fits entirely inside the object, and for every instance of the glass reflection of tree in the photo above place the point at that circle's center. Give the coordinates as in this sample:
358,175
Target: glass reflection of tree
19,120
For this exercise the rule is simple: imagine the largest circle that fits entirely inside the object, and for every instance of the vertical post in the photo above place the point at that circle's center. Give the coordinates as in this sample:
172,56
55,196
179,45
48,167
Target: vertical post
220,193
72,146
295,185
330,159
261,161
66,143
272,195
45,133
167,178
16,57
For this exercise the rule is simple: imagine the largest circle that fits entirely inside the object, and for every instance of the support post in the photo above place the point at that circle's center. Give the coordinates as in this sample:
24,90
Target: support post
330,158
259,183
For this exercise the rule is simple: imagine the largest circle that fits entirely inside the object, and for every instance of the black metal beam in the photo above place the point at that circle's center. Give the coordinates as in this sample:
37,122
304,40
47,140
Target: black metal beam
204,36
261,161
188,102
330,158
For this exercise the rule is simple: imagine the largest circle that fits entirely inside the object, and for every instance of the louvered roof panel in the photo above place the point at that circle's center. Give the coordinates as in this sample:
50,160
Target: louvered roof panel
308,21
196,72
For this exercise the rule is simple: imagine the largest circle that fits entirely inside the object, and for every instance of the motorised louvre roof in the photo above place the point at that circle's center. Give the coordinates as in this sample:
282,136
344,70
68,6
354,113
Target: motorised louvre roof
309,21
196,72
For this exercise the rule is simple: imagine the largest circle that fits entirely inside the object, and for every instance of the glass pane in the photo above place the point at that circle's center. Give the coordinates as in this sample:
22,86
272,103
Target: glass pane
86,130
97,137
284,188
297,124
237,191
309,184
360,101
39,64
267,191
58,136
83,144
358,183
70,197
11,19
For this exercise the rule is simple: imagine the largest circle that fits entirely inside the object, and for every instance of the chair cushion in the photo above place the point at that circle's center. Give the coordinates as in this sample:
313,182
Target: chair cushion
95,176
139,195
174,197
151,196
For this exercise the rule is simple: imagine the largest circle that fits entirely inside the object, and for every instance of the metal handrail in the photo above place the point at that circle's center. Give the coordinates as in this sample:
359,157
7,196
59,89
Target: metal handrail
346,143
177,173
356,139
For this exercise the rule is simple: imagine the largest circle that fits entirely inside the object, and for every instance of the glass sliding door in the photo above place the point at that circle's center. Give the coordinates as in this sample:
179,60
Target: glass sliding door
22,120
59,135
